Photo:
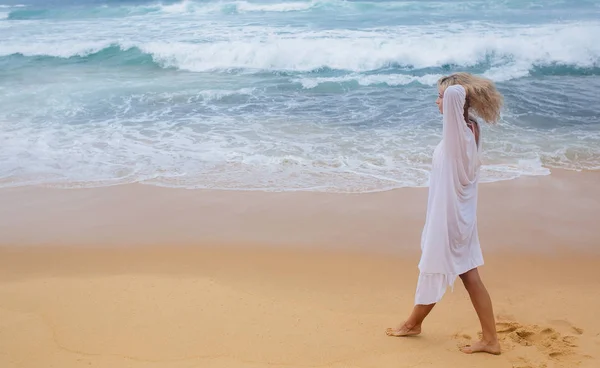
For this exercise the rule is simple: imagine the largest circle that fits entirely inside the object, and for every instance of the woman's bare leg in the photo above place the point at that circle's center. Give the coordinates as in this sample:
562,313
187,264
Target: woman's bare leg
412,326
483,306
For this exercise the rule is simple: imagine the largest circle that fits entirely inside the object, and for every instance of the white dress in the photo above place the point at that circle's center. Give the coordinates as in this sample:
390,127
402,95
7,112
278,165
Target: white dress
450,243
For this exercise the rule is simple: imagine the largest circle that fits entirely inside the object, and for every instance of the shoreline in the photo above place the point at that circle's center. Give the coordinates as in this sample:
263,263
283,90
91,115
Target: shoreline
547,171
512,214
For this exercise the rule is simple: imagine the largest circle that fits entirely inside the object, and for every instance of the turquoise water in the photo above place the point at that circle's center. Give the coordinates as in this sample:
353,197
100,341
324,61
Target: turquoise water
286,95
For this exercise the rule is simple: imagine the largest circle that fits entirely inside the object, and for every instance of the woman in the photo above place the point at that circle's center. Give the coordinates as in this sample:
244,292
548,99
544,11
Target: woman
450,243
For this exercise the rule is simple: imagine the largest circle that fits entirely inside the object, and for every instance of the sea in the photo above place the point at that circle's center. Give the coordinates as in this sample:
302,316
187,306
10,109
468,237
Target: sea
278,95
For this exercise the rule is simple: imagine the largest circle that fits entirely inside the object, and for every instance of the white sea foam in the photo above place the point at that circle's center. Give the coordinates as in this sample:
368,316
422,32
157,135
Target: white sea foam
180,7
510,52
267,154
368,80
244,6
188,6
305,52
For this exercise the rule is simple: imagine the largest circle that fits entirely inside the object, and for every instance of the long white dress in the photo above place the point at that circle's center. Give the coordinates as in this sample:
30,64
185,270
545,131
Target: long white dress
449,242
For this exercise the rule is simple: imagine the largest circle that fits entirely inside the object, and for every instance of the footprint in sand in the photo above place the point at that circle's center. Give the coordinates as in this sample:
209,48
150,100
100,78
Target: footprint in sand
567,326
557,349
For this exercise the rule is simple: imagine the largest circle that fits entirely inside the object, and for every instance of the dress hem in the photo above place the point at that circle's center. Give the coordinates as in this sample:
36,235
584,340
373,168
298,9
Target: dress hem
447,281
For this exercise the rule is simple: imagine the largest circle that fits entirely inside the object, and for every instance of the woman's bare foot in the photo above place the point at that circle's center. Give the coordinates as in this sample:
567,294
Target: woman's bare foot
482,347
403,330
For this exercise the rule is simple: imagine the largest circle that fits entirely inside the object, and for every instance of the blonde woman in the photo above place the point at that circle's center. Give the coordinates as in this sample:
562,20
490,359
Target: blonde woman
450,243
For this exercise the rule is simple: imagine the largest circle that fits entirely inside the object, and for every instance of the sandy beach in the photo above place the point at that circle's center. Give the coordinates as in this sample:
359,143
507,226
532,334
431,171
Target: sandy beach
142,276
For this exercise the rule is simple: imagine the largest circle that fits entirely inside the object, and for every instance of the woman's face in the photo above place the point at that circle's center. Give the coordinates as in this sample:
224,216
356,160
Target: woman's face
440,100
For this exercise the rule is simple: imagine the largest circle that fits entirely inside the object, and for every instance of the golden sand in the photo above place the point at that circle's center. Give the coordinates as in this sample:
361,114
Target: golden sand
138,276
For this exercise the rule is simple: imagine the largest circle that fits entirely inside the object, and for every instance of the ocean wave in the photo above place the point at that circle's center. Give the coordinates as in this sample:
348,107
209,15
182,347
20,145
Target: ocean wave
60,50
182,7
245,6
501,54
80,12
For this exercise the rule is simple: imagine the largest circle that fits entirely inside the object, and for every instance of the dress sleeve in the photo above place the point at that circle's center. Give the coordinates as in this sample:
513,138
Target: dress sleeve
459,142
454,123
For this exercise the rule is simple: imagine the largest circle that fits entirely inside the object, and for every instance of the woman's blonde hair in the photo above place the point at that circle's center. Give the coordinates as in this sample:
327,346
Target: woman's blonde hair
483,99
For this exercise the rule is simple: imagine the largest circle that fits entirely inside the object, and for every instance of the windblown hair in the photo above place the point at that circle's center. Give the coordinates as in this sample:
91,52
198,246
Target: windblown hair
483,99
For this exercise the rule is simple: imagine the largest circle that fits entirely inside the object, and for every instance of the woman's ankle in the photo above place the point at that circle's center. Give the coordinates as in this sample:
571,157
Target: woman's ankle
411,324
490,339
